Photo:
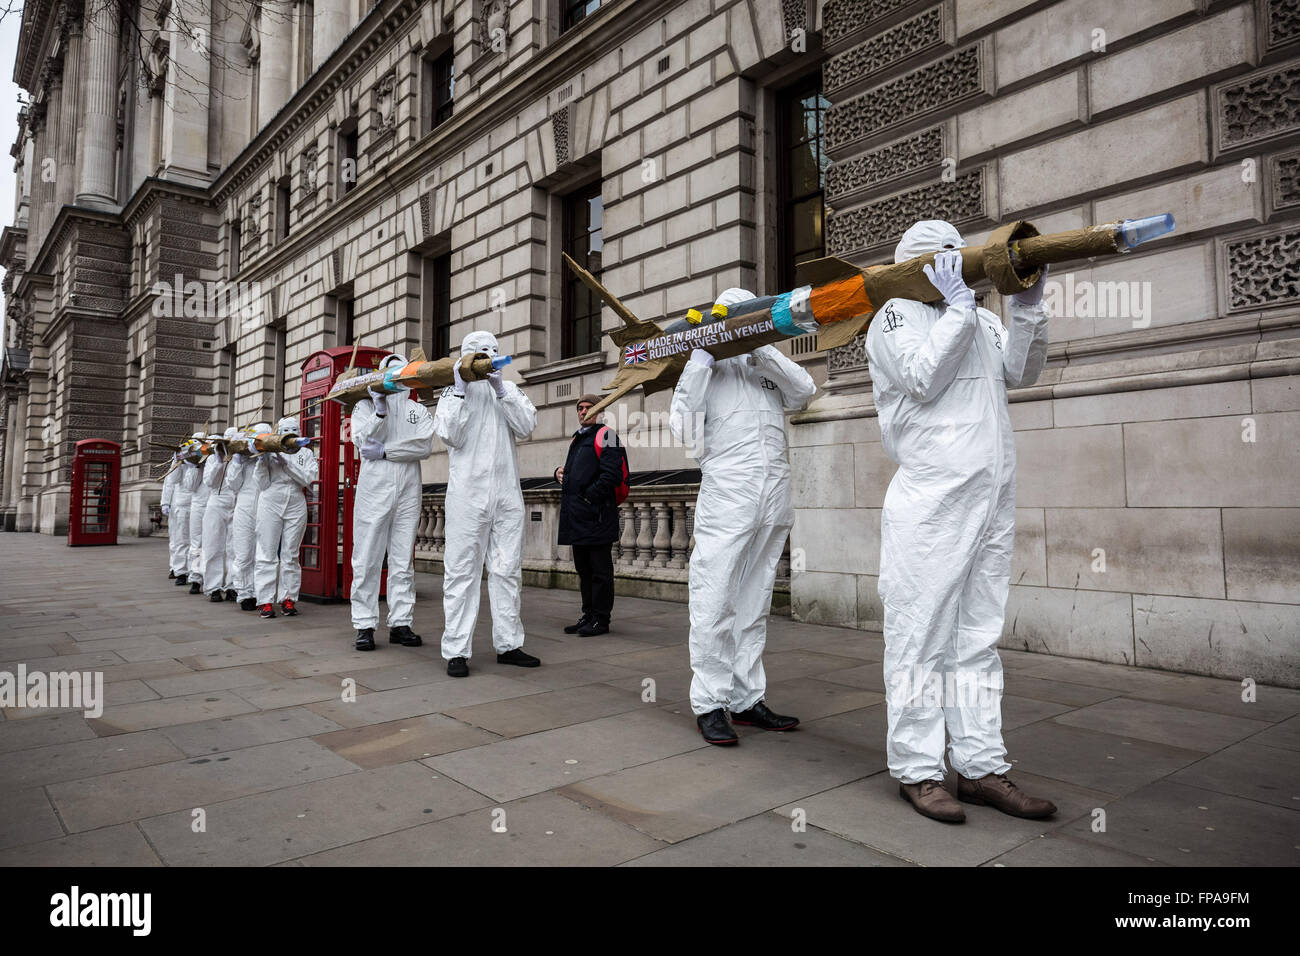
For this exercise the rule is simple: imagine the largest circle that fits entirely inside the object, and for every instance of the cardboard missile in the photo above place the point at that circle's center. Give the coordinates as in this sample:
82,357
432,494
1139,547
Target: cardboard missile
350,387
835,299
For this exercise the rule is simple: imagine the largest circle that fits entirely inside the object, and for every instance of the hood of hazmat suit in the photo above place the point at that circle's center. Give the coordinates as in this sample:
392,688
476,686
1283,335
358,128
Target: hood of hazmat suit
940,375
730,414
485,508
386,510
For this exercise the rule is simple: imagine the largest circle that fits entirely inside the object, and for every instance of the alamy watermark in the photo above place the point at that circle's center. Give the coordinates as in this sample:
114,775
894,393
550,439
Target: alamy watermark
80,690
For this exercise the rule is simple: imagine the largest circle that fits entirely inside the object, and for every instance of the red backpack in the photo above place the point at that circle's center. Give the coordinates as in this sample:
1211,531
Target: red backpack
620,493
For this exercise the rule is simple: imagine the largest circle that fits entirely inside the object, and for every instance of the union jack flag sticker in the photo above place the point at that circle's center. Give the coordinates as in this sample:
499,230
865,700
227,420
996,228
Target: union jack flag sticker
635,354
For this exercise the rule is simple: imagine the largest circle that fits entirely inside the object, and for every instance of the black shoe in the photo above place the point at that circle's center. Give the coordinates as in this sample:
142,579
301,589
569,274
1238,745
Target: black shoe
458,667
268,610
366,639
518,658
289,608
215,597
231,594
578,625
715,728
405,636
195,588
180,580
593,627
171,575
248,604
760,716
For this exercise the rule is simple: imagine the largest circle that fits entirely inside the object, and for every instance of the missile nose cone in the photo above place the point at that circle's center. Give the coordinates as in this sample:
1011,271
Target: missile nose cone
1134,232
501,361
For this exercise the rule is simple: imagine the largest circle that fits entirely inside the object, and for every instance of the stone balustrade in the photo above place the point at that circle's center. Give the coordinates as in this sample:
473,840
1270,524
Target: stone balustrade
656,525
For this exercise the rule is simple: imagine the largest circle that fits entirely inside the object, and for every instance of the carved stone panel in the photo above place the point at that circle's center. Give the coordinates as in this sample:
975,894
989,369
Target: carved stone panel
1284,173
560,127
942,84
848,358
920,34
1261,270
918,153
1281,23
1258,107
842,18
385,104
879,223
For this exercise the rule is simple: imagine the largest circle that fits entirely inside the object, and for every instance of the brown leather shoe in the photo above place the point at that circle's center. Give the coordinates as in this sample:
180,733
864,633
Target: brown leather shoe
1001,794
931,800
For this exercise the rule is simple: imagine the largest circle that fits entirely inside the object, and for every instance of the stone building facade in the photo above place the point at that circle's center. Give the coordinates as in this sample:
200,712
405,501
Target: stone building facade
212,191
1158,516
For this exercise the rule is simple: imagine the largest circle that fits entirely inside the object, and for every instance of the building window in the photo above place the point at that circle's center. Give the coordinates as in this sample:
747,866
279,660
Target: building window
236,246
575,11
438,88
801,177
348,142
344,320
435,302
582,240
282,208
280,351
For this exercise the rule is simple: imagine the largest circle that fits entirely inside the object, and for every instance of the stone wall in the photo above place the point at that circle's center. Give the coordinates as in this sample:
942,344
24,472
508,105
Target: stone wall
1159,467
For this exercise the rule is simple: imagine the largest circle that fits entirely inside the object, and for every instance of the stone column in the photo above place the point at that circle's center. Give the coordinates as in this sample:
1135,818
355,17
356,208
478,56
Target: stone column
644,541
627,537
49,151
275,59
35,194
69,117
678,543
331,21
97,183
187,98
661,538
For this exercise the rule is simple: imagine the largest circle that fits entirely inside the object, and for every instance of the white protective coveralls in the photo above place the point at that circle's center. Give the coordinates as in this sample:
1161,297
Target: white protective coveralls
281,517
386,509
940,376
241,552
199,491
216,519
731,415
176,505
485,506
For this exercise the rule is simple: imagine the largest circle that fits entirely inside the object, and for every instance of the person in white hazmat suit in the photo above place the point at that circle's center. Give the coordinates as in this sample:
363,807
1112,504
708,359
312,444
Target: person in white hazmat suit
731,415
940,375
198,503
176,499
241,550
393,434
216,522
479,423
281,521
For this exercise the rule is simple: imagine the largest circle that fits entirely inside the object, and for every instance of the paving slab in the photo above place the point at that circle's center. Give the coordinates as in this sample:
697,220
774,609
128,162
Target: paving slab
43,731
541,830
192,782
250,730
1062,849
376,745
766,840
1250,770
1161,723
122,845
197,682
84,758
290,691
521,766
1054,691
167,711
1188,826
27,818
689,794
544,710
1285,735
383,706
291,822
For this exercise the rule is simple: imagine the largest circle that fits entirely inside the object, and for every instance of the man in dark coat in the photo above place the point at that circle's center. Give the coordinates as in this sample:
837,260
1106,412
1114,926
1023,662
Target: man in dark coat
589,516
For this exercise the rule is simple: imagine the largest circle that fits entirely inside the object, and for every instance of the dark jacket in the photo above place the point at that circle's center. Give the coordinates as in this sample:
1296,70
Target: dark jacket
588,513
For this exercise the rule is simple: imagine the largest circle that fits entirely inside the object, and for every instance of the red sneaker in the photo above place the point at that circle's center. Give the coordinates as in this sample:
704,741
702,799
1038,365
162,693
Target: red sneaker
288,608
267,611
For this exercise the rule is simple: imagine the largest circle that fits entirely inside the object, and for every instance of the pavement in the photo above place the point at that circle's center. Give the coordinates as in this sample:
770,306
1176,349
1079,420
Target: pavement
227,740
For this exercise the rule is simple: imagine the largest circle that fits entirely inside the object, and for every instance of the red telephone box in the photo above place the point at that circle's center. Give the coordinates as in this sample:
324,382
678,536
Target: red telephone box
326,553
96,470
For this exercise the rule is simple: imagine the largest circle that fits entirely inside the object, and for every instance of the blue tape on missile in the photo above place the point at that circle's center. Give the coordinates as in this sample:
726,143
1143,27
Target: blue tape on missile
781,318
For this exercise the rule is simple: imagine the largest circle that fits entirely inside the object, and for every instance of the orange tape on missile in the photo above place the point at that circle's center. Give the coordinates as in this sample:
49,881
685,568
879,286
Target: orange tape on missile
840,300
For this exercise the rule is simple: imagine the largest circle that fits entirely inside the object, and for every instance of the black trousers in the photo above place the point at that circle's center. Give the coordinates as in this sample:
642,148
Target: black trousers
595,566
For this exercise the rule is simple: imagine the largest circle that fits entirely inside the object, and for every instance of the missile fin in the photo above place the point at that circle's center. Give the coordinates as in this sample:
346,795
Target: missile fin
841,333
418,356
817,272
654,376
591,282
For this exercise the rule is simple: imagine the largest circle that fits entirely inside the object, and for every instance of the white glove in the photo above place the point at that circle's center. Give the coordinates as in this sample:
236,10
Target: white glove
1034,294
380,400
459,387
498,384
167,509
372,449
945,275
701,357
